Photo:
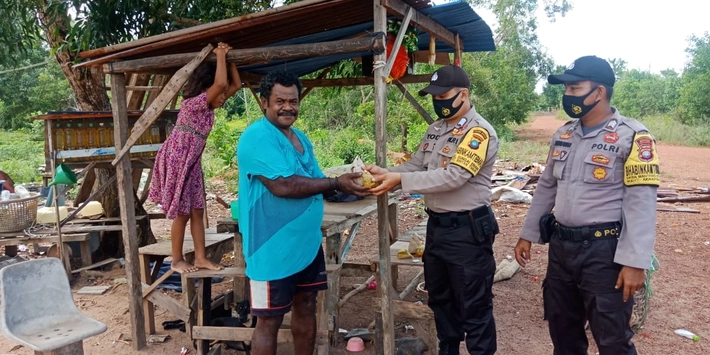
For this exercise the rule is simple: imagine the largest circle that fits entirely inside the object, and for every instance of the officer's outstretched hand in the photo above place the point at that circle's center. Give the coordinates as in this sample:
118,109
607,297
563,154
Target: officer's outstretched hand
375,170
631,279
522,252
349,186
388,181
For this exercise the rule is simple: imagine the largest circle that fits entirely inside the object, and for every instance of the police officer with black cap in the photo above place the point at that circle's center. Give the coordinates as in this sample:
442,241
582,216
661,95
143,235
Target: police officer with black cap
601,179
452,168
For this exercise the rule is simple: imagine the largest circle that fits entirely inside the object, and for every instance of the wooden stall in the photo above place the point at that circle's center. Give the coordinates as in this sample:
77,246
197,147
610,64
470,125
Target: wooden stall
344,30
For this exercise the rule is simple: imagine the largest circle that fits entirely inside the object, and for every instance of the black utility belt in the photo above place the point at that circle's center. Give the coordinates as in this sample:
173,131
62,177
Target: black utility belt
449,219
595,232
481,220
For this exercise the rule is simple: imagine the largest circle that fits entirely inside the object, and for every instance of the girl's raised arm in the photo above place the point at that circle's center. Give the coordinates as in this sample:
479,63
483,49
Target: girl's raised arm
220,79
236,83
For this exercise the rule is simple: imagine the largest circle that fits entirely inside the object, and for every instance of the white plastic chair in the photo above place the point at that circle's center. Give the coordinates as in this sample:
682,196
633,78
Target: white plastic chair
37,309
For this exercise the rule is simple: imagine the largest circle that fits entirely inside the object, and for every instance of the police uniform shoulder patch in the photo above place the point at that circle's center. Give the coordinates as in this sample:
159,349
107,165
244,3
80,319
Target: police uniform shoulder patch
641,166
472,150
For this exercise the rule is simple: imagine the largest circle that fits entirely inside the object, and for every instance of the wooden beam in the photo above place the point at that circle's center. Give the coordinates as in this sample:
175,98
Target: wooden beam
245,334
384,277
158,80
156,108
362,81
169,304
457,51
398,41
408,310
320,76
135,97
421,21
180,34
253,55
414,102
157,282
140,87
128,213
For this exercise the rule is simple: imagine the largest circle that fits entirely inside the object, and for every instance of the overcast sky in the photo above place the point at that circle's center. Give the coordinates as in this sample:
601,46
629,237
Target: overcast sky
647,34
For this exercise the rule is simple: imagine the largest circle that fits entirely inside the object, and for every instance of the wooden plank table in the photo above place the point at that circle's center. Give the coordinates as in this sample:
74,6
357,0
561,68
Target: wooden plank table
339,218
216,244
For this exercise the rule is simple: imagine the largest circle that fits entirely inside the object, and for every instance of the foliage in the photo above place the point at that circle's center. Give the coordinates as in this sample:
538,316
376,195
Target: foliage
21,152
641,93
27,89
694,101
666,128
551,98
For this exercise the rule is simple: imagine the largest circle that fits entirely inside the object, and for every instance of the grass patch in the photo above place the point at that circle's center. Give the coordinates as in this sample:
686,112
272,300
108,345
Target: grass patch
667,129
21,153
525,152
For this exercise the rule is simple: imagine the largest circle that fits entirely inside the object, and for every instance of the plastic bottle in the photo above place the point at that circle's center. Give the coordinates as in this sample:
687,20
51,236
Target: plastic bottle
69,140
110,135
59,142
92,140
81,138
154,137
168,129
103,135
687,334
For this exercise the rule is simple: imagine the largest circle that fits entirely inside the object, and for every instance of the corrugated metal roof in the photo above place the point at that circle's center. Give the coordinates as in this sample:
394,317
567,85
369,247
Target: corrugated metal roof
319,22
457,17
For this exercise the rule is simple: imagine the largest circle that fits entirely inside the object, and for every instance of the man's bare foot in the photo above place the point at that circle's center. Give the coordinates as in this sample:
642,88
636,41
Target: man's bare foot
182,267
206,264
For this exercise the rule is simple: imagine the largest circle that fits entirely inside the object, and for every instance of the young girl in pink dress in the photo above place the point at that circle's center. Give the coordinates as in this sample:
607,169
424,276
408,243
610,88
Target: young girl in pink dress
177,183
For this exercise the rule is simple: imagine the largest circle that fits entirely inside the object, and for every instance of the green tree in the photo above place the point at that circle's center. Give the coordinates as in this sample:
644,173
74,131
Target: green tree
551,98
68,27
694,101
33,84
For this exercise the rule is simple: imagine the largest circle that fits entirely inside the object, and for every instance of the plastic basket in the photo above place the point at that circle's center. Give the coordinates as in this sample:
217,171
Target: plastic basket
17,215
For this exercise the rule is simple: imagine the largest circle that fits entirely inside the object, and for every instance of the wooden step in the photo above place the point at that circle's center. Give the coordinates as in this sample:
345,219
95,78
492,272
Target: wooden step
226,272
245,334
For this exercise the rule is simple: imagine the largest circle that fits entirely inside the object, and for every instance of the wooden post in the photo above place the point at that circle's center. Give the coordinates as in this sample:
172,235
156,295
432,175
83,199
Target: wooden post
204,304
414,102
128,212
148,311
384,283
332,256
457,53
398,41
240,284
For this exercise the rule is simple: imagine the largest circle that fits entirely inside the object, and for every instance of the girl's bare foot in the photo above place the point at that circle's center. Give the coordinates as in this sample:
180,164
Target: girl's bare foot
206,264
182,267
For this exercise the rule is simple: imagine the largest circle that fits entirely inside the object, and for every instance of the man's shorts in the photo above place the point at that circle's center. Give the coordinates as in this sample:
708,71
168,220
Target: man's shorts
274,298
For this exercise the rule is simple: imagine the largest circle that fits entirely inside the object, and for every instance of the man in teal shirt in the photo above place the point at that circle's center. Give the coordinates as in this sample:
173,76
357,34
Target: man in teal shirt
281,190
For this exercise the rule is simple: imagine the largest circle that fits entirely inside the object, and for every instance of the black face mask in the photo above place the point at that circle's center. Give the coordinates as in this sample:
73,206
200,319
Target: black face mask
574,105
444,108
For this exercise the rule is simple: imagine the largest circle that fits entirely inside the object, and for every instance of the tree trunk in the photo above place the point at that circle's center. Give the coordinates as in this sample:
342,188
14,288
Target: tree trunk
88,85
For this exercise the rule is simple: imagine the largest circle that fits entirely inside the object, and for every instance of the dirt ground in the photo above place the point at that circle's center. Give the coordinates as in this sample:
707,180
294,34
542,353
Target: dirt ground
680,287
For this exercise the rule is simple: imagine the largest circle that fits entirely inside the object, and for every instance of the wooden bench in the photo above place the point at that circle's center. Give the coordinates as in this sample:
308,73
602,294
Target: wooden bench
81,238
216,245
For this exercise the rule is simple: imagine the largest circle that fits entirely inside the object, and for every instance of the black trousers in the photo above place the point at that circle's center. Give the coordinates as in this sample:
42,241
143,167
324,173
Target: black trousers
458,273
579,286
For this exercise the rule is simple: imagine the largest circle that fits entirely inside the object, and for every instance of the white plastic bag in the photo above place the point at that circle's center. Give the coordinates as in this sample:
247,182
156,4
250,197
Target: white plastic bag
510,195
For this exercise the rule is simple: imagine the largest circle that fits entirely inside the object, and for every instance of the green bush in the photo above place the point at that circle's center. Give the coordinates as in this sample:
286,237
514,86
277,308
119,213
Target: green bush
668,129
21,154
